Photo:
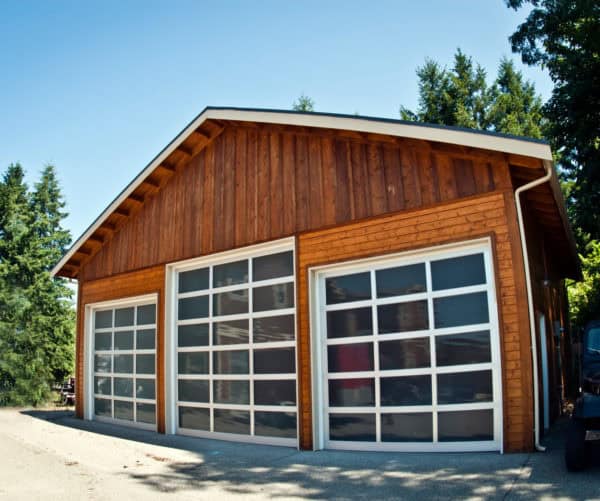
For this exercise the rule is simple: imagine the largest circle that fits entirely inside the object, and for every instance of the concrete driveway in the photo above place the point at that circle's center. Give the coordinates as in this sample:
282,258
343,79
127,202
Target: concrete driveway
50,454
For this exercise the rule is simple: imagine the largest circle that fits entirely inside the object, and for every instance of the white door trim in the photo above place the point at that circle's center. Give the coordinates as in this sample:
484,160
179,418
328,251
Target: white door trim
319,354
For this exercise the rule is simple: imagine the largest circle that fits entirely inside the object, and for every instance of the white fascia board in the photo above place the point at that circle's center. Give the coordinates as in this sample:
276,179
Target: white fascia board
441,134
428,133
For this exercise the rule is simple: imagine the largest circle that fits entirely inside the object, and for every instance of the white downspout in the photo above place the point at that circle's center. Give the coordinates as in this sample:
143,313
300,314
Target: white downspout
534,359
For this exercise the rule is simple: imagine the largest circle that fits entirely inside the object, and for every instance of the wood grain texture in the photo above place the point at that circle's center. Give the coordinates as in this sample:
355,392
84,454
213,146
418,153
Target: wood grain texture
254,184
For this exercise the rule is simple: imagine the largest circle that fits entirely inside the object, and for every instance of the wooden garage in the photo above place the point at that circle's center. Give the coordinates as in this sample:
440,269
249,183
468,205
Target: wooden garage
329,281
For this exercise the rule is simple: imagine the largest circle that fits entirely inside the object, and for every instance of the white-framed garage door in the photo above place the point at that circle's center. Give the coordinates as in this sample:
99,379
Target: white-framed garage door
406,352
233,345
121,365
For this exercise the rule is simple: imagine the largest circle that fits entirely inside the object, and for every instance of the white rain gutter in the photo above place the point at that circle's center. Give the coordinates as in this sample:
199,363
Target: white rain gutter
534,359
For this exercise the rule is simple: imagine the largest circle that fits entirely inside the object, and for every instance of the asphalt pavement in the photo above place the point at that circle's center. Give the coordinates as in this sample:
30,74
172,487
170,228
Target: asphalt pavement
51,454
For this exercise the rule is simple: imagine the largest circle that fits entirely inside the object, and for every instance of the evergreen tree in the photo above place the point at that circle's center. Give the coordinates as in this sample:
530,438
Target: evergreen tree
563,37
461,97
458,96
304,103
36,314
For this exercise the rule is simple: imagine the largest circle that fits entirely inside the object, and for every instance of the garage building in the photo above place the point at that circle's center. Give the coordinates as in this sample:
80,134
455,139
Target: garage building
329,281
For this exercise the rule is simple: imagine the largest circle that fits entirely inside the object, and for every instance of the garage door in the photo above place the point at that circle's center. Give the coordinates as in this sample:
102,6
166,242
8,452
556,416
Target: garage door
124,363
409,353
235,347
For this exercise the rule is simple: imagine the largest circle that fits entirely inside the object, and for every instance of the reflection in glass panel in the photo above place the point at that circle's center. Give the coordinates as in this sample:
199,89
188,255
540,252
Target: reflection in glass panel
124,317
401,280
350,357
230,362
146,314
192,363
403,317
351,392
231,392
457,272
272,329
103,319
193,390
193,307
124,340
355,287
102,363
406,390
102,407
273,266
227,421
230,303
273,297
278,392
409,427
348,323
275,361
232,332
145,388
103,341
465,387
123,410
466,348
102,385
123,387
145,339
275,424
466,425
404,354
194,418
123,364
145,413
464,309
144,364
230,273
192,335
352,427
194,280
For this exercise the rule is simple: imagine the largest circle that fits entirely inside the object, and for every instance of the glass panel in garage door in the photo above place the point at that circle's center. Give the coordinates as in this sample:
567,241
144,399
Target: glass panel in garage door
236,348
124,379
410,353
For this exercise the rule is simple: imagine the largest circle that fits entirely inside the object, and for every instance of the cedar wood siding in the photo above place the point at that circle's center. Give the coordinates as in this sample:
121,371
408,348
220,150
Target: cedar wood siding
550,299
344,198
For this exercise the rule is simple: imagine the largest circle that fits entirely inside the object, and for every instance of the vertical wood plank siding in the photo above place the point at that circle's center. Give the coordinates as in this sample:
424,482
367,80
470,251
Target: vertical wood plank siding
452,222
344,198
256,184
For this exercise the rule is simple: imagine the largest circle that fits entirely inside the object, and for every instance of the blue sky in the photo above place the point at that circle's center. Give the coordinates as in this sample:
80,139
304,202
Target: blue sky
98,88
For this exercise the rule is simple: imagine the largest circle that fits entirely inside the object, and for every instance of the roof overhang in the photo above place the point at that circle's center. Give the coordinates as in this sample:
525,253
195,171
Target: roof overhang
427,132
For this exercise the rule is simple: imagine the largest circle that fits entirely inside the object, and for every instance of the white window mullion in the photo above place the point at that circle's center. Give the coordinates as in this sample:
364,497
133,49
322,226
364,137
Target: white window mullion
377,381
432,357
211,395
250,346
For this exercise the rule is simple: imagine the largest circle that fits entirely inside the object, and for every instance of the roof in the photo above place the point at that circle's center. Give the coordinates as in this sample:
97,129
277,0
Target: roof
208,124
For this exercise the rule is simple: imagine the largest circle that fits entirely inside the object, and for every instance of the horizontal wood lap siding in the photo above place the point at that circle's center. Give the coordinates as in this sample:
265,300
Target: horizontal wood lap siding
253,184
126,285
450,222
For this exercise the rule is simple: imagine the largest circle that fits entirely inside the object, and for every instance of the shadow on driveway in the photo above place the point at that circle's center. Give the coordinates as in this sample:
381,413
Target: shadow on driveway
277,472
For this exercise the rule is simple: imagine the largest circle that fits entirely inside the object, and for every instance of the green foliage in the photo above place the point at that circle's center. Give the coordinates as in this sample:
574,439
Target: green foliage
461,97
584,297
563,36
304,103
36,315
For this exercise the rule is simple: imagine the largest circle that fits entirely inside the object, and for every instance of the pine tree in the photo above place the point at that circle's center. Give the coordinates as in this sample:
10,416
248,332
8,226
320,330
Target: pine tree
304,103
36,314
461,97
458,96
